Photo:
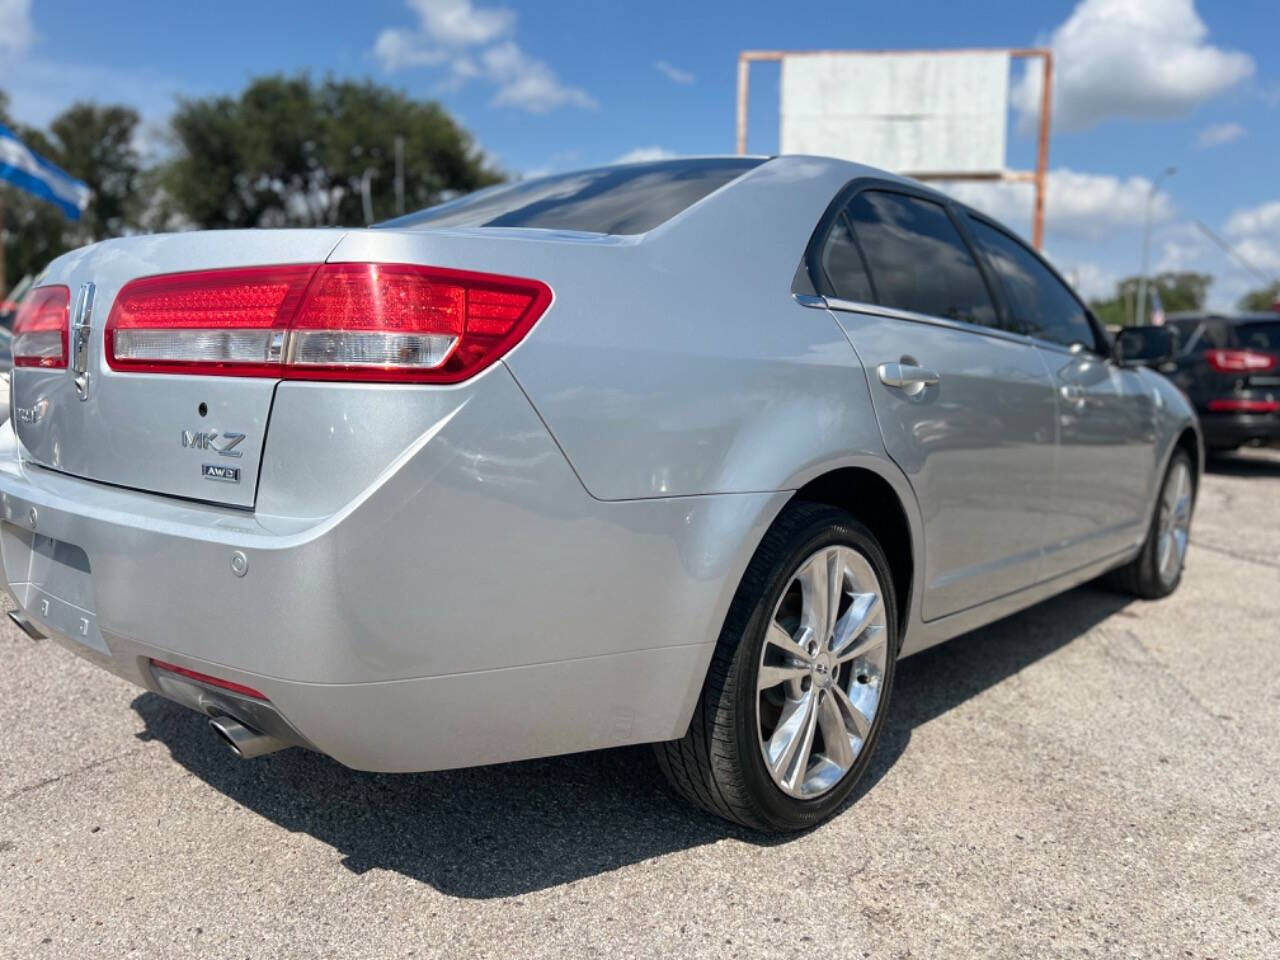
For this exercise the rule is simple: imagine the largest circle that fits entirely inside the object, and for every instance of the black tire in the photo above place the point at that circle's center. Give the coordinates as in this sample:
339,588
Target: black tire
718,764
1140,577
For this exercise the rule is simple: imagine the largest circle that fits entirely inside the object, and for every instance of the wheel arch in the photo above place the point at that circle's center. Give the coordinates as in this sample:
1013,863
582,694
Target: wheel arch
874,501
1189,440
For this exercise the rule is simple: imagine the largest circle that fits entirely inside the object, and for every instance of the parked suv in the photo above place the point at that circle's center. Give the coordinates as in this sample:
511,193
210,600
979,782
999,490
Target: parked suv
1229,366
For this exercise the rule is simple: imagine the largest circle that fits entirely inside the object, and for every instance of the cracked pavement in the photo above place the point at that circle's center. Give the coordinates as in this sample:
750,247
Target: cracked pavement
1093,777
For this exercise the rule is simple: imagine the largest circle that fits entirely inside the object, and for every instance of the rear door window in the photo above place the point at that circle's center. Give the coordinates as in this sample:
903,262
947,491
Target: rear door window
917,259
1041,303
1263,336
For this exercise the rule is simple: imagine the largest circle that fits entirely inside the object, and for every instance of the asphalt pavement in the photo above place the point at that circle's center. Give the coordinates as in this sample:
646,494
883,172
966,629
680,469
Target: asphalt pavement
1094,777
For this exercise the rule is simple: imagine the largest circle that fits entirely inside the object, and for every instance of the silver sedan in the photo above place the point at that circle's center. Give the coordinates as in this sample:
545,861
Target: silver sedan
687,452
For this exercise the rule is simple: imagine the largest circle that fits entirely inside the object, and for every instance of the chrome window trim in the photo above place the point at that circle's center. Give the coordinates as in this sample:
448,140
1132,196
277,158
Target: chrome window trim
893,313
1054,347
816,301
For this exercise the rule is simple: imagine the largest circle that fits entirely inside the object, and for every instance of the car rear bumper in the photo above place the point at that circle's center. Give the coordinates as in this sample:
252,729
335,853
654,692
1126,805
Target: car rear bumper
472,605
1234,429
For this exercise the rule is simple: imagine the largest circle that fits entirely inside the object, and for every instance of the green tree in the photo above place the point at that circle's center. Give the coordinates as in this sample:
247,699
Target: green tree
1179,290
94,144
1258,301
292,152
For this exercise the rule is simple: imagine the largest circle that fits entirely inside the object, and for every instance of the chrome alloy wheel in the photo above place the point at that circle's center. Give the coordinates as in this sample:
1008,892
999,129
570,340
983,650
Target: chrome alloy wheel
1174,526
821,670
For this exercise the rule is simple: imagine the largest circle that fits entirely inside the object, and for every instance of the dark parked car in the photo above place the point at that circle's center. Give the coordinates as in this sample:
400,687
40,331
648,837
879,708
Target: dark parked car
1229,366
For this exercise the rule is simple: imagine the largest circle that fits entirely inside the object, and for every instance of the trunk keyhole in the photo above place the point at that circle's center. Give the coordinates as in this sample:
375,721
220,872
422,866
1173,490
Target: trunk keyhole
204,409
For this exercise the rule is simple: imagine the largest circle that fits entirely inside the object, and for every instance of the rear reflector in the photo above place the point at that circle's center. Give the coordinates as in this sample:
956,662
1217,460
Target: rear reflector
205,678
1240,361
40,329
1233,405
342,321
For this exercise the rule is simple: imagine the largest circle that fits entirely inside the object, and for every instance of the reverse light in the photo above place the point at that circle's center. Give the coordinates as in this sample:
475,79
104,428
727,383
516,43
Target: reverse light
205,678
40,329
341,321
1240,361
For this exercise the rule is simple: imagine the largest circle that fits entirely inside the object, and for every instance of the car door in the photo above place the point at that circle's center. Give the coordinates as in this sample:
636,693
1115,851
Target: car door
965,406
1106,414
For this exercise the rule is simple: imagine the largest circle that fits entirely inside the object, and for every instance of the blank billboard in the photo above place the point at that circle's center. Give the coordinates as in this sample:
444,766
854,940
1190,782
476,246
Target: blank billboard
909,113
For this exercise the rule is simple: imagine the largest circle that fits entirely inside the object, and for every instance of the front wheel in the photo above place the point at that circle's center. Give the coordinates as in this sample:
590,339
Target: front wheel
799,682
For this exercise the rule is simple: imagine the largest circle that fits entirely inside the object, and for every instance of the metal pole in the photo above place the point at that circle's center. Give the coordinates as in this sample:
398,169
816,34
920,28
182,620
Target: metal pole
3,287
1140,315
400,176
744,69
1042,152
366,194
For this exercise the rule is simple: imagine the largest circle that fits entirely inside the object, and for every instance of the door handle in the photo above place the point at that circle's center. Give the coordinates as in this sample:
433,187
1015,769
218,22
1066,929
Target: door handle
907,377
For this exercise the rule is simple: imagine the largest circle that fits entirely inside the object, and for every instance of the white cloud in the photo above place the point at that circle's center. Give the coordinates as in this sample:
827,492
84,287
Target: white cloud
1252,233
1129,58
1255,234
397,48
16,31
457,23
674,74
1262,219
1217,134
527,83
645,154
1086,206
476,43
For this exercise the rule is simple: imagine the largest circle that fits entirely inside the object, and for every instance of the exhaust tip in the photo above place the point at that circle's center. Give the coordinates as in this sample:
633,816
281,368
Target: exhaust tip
245,742
25,625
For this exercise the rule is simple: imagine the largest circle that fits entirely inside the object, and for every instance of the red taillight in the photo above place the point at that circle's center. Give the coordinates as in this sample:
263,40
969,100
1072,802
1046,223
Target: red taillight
1231,405
205,678
40,329
341,321
230,322
1240,361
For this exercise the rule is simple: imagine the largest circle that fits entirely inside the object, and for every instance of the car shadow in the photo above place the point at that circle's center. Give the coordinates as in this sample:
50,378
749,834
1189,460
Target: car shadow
1246,464
515,828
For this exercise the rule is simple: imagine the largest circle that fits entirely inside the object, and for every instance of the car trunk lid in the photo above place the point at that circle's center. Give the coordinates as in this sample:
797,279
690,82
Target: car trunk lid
199,437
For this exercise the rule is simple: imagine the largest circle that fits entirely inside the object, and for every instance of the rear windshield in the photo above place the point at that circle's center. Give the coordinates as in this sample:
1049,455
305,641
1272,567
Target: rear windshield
629,199
1263,336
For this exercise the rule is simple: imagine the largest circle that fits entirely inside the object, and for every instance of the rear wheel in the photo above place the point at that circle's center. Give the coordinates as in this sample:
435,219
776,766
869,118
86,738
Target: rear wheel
1157,569
799,683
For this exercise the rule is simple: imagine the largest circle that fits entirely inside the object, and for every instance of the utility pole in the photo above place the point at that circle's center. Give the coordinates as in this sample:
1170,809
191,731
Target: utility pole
3,287
399,176
1141,315
366,194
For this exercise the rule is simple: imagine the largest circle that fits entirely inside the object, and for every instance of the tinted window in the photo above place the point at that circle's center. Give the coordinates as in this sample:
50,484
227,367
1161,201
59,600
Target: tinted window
842,264
628,199
1040,302
1188,342
917,258
1263,336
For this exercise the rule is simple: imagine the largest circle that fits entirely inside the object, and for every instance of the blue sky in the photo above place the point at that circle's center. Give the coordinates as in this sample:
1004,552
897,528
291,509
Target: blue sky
1141,84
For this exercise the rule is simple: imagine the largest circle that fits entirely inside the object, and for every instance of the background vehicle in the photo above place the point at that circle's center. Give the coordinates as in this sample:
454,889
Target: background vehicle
1229,366
6,363
688,451
10,302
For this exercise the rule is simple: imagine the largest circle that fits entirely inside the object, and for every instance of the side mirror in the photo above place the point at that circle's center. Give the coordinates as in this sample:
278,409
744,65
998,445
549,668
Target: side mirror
1145,346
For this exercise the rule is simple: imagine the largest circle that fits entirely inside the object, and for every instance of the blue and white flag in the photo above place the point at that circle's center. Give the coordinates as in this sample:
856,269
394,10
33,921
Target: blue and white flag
27,170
